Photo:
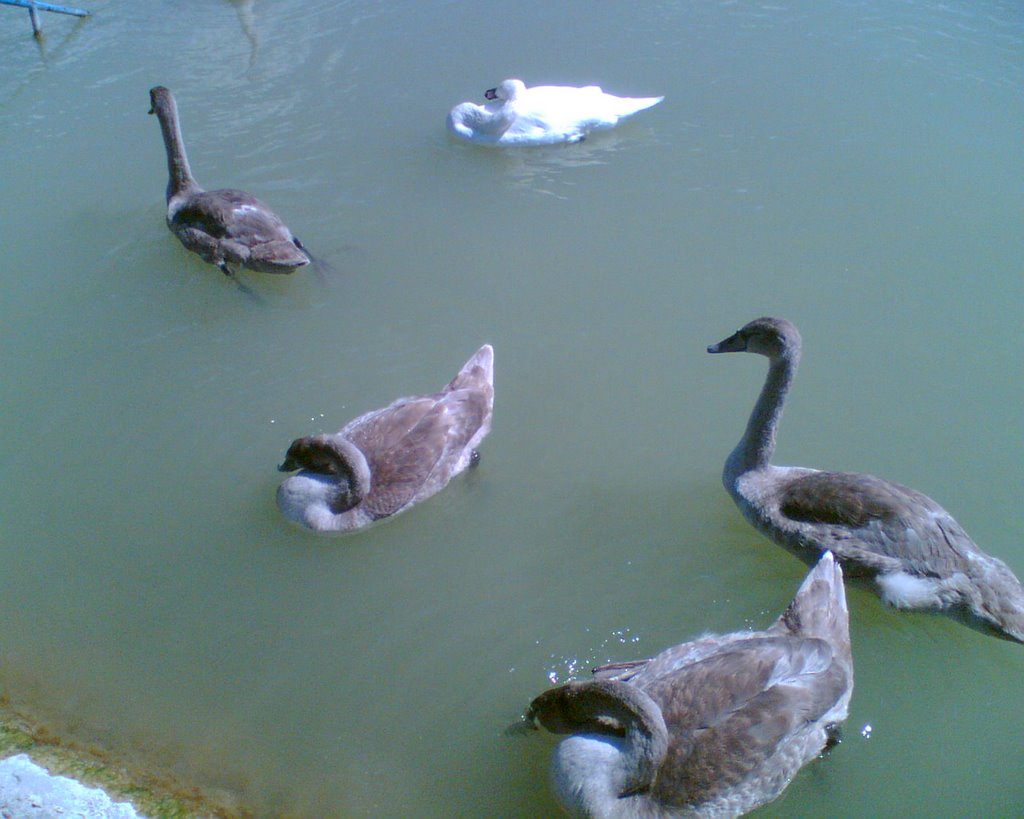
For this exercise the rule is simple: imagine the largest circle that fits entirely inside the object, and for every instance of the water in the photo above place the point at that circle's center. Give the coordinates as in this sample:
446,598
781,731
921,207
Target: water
855,167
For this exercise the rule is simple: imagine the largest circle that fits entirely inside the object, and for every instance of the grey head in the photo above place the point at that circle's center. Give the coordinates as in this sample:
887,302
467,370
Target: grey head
767,336
161,98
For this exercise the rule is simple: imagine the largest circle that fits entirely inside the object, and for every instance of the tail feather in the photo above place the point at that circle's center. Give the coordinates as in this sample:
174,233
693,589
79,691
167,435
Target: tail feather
476,372
819,607
998,597
632,105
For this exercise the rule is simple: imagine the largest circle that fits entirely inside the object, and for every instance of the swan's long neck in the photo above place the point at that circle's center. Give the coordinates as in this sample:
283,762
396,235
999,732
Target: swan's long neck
337,457
349,464
620,742
756,447
180,174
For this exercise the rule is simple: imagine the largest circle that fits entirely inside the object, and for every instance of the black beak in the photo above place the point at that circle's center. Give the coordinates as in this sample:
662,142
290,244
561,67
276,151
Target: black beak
733,344
524,725
491,94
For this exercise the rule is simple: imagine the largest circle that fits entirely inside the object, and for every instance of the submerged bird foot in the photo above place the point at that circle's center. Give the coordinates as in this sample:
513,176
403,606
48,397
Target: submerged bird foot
252,294
833,736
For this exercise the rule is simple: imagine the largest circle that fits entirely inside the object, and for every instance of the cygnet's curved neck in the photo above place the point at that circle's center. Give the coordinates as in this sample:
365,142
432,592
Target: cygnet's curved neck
604,707
350,464
181,180
336,456
647,736
756,447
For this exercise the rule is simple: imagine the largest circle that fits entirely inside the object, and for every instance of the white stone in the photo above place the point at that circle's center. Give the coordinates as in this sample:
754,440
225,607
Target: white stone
27,790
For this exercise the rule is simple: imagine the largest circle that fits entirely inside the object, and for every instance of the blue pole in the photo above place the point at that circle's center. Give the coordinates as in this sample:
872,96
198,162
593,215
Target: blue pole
29,4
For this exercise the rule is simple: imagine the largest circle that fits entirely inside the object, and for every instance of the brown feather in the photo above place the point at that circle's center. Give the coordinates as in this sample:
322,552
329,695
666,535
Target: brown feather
840,498
726,717
404,444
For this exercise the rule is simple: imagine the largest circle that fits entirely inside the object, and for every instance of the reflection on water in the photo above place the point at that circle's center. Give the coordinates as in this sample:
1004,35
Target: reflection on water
247,19
52,45
853,168
537,169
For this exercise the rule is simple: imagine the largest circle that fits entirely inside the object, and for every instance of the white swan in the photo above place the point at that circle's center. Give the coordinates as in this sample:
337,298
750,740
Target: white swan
919,556
223,226
387,460
715,727
542,115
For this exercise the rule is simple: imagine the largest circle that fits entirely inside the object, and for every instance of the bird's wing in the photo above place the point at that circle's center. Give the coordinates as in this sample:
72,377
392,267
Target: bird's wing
231,214
729,712
884,521
411,444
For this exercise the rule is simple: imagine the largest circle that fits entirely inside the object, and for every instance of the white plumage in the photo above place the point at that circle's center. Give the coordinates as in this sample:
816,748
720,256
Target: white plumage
541,115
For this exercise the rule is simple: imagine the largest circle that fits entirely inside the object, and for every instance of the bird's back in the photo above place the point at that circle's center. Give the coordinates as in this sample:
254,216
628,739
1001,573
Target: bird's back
414,446
234,225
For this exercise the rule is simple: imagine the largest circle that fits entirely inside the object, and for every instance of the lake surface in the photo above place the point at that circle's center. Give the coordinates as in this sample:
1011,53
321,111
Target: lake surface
853,166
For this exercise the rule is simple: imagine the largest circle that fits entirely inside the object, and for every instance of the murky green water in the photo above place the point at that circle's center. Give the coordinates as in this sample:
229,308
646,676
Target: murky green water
855,167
